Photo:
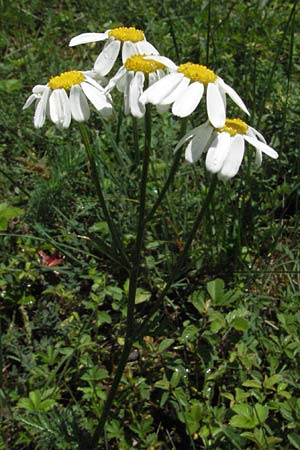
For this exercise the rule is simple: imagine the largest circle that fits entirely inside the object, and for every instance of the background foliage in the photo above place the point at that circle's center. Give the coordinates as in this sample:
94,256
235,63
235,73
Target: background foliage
220,369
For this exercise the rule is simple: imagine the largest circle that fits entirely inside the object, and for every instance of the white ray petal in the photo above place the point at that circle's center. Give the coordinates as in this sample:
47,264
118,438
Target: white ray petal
217,152
261,146
41,108
233,95
199,142
107,57
233,159
145,48
116,80
177,92
66,107
30,100
137,108
129,49
79,106
189,99
163,60
128,77
161,89
257,134
97,98
215,105
258,158
85,38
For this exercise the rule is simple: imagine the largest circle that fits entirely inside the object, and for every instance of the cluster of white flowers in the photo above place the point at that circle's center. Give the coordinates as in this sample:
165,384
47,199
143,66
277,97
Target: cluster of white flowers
166,86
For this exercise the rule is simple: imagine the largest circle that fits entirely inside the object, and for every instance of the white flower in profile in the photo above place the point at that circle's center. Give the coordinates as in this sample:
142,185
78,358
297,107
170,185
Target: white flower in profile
225,146
130,80
133,40
184,88
65,97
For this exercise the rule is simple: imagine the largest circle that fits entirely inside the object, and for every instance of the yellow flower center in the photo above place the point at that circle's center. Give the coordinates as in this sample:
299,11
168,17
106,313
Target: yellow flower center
127,34
196,72
66,80
234,126
137,63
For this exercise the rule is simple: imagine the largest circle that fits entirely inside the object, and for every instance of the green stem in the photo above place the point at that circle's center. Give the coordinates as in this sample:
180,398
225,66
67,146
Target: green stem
181,260
114,233
135,268
170,178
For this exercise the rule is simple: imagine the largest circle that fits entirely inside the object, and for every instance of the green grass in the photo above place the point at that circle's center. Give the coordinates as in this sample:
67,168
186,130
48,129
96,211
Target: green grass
219,367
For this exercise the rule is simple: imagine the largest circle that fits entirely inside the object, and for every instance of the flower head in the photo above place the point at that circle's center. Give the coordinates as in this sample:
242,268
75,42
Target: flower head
65,97
184,88
132,40
130,80
224,146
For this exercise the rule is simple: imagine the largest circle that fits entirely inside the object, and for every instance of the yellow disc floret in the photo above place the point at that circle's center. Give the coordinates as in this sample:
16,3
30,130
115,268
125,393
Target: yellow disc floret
234,126
196,72
127,34
66,80
137,63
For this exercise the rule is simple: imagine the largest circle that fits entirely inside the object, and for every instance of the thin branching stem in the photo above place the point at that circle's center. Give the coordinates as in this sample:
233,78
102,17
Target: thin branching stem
135,269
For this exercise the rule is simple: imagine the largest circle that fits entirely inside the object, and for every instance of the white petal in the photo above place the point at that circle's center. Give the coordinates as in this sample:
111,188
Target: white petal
94,83
79,106
85,38
137,108
163,60
255,133
145,48
97,98
217,152
107,57
41,108
233,95
128,77
161,89
176,93
30,100
215,105
129,49
199,142
60,112
188,100
234,158
152,78
258,157
261,146
188,136
116,80
39,89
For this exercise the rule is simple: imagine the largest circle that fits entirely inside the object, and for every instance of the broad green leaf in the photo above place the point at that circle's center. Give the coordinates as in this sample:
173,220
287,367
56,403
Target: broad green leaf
252,383
6,213
141,296
216,289
294,439
166,343
240,324
9,86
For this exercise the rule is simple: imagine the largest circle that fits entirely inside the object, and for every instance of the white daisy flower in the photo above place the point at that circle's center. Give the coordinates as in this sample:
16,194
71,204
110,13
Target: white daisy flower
52,100
133,40
224,146
184,87
130,80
